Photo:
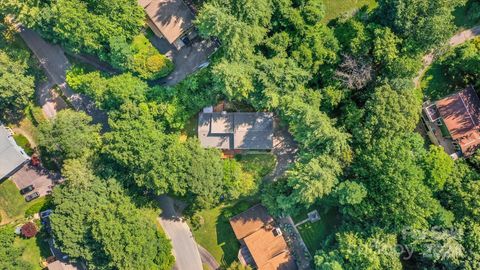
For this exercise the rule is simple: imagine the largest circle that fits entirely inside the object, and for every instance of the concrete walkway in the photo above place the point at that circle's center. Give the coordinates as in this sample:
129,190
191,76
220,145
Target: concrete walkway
184,246
208,259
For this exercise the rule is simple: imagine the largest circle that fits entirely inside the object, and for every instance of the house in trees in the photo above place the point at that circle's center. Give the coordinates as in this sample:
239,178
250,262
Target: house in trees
262,243
454,122
12,156
170,19
236,131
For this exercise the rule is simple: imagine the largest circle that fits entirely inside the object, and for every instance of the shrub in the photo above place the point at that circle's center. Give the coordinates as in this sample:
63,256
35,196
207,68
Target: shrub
147,62
29,230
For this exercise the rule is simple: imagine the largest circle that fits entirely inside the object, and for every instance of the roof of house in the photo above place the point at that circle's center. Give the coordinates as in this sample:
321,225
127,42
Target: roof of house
255,229
58,265
239,130
461,115
11,155
171,17
250,221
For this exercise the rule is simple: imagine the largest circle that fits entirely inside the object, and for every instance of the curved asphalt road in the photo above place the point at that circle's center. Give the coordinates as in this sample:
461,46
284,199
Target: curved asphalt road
184,246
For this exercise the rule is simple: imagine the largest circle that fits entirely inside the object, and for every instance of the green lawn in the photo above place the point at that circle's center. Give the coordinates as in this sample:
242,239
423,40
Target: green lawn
12,204
257,164
35,250
23,142
314,234
335,8
435,84
216,234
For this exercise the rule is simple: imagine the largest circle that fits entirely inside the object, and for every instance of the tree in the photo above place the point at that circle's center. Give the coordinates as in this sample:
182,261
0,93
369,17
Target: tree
101,225
238,266
354,251
29,230
350,192
69,135
423,23
438,167
11,255
354,73
109,93
16,87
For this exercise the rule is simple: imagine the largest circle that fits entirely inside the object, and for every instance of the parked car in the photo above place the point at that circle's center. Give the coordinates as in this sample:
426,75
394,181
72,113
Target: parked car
45,214
26,189
35,161
32,196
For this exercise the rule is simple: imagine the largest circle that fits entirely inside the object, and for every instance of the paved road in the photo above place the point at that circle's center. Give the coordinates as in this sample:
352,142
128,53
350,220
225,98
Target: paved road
55,63
208,259
184,246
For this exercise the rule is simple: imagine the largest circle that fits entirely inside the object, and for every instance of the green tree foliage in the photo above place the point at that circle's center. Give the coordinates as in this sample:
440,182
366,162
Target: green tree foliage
69,135
423,23
141,152
350,192
438,167
237,182
391,172
391,110
87,26
98,223
16,86
462,65
109,93
354,251
11,256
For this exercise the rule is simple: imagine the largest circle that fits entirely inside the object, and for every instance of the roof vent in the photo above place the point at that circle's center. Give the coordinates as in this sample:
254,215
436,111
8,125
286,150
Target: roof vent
277,232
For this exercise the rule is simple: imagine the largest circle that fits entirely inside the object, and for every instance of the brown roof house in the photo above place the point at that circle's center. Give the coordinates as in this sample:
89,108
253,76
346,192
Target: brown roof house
458,118
236,131
169,19
12,156
262,244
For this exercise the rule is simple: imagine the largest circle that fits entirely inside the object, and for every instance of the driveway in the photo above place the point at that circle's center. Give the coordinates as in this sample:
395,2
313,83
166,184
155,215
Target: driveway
42,179
186,60
53,60
185,248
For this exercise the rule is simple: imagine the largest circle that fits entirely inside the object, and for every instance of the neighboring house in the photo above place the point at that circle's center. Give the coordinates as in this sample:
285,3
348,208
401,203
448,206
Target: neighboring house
454,122
170,19
262,244
58,265
236,131
12,156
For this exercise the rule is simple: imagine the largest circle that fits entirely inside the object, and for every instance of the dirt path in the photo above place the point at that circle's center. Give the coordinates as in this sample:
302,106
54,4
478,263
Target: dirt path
456,40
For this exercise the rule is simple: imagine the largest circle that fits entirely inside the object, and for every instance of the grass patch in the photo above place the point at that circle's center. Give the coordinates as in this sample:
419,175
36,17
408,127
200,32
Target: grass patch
315,234
257,164
35,250
215,233
335,8
23,142
435,83
12,205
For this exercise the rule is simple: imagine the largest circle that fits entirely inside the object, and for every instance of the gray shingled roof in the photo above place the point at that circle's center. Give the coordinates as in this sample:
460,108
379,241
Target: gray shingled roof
11,155
239,130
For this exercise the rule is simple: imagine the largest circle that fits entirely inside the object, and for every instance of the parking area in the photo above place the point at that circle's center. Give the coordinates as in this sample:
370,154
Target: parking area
187,60
41,179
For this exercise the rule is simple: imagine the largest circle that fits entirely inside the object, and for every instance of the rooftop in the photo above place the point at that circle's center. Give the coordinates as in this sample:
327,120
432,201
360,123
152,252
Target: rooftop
171,17
11,155
239,130
461,115
269,250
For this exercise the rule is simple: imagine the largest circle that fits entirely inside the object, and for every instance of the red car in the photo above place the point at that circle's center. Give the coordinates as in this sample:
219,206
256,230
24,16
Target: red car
35,161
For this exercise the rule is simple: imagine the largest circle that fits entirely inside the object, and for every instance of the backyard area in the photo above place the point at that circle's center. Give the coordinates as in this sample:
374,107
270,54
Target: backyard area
35,250
335,8
314,234
211,228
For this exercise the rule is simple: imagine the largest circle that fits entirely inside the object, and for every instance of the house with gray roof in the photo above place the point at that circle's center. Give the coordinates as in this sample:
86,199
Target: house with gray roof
236,131
12,156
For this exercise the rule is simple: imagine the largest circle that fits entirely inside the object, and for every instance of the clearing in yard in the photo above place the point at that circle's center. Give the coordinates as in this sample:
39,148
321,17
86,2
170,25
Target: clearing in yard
12,204
23,142
315,234
215,234
435,84
34,250
335,8
258,165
